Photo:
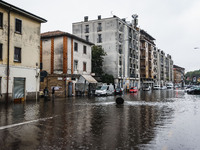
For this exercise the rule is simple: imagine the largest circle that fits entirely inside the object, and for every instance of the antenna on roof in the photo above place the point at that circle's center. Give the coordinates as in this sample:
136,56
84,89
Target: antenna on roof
135,20
111,13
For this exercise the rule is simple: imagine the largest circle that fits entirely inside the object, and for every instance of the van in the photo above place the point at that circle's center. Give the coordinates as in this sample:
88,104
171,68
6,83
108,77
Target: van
105,90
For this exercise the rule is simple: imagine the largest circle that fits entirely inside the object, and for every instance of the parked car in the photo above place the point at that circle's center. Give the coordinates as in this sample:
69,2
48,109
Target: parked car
169,85
105,90
163,88
195,91
146,88
156,87
118,91
133,90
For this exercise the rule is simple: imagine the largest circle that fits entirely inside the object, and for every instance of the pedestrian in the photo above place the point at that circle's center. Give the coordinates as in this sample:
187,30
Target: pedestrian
46,93
53,93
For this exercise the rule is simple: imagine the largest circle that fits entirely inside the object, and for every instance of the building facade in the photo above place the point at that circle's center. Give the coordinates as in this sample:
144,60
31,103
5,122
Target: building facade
65,57
19,41
147,59
165,68
179,74
120,40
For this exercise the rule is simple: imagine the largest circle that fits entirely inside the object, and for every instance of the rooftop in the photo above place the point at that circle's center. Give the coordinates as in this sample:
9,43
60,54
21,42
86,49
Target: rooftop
21,11
59,33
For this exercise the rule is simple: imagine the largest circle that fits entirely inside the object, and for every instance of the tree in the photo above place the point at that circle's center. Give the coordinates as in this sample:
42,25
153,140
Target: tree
97,60
106,78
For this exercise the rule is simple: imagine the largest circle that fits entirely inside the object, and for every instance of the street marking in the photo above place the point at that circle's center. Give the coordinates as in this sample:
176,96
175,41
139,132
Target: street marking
23,123
42,119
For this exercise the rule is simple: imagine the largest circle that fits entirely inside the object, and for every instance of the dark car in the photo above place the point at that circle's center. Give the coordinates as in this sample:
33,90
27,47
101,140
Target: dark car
118,91
195,91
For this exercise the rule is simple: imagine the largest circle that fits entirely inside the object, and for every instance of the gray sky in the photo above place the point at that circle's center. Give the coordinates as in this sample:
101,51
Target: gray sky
175,24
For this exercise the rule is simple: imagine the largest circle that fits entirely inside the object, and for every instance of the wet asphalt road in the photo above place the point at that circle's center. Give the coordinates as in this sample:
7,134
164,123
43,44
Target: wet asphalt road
166,119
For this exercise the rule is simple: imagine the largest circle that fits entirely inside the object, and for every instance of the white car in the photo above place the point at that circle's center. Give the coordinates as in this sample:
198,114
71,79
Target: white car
156,87
169,85
105,90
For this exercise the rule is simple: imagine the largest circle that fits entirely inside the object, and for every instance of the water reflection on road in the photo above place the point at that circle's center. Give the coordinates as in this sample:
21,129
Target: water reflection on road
167,119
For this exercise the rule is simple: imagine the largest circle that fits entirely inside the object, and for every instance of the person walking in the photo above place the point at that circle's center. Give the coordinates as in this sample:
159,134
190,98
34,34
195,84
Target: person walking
46,93
53,93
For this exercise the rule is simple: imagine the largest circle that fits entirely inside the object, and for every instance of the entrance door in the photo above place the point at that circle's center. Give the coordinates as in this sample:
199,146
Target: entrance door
19,88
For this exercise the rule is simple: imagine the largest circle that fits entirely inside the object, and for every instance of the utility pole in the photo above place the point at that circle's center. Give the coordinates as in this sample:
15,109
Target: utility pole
8,55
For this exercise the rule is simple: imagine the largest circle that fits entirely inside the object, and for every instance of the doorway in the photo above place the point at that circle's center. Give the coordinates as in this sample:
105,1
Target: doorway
19,89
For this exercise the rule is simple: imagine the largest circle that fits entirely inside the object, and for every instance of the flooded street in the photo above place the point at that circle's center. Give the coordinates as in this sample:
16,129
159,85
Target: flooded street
163,119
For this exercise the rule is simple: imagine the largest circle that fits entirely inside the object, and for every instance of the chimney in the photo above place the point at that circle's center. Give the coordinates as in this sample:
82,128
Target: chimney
99,17
86,19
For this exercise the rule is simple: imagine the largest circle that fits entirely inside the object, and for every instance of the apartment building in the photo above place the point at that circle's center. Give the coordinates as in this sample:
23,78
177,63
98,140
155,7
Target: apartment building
120,40
19,53
179,75
156,69
148,59
65,57
169,68
165,67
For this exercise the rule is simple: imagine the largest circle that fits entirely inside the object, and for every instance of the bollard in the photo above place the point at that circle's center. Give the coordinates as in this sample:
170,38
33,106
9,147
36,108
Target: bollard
119,100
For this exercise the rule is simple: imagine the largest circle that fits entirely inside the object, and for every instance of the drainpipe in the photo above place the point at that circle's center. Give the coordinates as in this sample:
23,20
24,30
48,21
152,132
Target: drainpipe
8,55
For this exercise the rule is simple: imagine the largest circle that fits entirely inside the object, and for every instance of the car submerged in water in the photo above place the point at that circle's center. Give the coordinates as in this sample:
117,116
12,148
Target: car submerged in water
118,91
146,88
133,90
194,90
156,87
170,86
104,90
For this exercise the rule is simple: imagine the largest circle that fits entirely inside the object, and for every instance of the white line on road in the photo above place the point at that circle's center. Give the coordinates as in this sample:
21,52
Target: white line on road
22,123
41,119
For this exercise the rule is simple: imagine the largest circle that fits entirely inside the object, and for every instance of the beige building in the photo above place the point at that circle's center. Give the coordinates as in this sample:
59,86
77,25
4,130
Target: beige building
147,46
67,59
19,52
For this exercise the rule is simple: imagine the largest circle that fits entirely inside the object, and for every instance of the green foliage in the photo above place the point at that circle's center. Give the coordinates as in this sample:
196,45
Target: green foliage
106,78
192,73
189,76
97,60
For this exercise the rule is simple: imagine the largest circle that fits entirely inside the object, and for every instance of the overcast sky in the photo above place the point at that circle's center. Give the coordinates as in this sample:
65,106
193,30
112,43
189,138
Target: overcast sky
175,24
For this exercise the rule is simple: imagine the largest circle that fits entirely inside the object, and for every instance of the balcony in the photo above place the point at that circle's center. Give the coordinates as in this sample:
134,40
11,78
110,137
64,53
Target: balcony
142,47
142,67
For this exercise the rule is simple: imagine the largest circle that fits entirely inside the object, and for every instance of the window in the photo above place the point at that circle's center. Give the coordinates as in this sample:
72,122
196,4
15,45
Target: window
76,47
120,60
84,49
99,40
1,51
87,38
84,66
120,72
1,20
75,65
99,28
17,54
87,29
18,26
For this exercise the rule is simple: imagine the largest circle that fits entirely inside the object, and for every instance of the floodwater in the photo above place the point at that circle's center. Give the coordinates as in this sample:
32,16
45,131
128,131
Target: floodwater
163,119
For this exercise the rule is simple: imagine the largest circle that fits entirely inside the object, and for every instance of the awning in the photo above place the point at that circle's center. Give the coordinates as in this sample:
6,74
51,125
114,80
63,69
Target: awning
89,78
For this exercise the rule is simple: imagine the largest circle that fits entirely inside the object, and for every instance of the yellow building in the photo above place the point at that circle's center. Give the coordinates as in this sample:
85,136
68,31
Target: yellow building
19,52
